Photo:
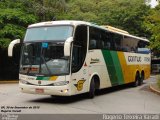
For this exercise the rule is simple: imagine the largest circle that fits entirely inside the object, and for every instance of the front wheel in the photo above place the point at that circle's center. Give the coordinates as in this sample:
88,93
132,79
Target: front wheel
92,89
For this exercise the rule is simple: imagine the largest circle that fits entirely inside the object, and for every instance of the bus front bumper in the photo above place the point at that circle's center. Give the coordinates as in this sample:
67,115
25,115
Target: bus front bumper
46,90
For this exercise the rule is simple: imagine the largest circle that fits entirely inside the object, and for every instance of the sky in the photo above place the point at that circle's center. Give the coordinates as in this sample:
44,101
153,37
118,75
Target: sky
153,3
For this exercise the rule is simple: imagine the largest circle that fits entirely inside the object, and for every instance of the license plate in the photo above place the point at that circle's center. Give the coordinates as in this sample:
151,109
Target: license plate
39,90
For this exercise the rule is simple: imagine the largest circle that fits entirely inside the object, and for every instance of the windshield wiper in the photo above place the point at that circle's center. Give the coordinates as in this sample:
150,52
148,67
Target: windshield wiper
42,57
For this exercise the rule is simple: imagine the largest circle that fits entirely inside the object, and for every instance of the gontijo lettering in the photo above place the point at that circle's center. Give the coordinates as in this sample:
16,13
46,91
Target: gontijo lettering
134,59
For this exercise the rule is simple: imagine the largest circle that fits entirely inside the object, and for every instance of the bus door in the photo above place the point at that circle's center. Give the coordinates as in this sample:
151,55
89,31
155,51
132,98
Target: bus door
79,68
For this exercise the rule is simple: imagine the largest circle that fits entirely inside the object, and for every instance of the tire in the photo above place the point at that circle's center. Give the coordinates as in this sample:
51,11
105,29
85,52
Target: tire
137,80
141,80
53,96
92,89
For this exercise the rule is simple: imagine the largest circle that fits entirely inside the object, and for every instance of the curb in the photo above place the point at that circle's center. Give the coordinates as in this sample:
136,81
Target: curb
154,90
9,82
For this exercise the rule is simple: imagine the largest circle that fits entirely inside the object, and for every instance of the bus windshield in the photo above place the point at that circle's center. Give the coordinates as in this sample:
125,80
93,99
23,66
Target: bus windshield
48,33
43,58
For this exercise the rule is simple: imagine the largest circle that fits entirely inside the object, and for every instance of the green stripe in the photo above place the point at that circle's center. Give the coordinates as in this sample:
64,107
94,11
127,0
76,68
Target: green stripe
118,68
110,66
42,78
113,66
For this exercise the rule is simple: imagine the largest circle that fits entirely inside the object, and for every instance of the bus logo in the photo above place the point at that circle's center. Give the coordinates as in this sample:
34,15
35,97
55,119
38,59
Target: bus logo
79,85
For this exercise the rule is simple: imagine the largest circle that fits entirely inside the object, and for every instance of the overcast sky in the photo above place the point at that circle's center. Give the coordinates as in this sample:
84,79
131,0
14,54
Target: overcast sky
153,3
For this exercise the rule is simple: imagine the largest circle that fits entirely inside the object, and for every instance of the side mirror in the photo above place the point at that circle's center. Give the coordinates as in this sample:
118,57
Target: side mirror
67,46
11,46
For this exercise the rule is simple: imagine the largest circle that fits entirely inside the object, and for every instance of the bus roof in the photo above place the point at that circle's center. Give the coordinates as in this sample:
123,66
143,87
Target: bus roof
75,23
61,22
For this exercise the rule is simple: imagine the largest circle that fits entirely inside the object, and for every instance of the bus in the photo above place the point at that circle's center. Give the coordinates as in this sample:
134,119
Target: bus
65,58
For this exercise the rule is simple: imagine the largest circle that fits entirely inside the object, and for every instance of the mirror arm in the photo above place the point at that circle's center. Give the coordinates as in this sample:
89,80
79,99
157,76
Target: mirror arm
67,46
11,46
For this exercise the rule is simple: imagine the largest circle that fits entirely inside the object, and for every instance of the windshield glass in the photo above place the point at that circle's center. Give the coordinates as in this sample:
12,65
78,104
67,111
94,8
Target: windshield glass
48,33
43,59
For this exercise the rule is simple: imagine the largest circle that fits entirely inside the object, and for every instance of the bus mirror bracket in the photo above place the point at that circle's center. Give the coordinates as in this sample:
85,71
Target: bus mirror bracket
67,46
11,46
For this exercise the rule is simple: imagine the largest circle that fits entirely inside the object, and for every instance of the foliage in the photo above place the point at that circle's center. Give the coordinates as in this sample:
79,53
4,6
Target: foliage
132,16
45,9
123,14
152,23
13,21
16,15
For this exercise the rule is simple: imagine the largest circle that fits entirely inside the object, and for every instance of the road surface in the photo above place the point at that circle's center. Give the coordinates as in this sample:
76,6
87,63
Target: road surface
123,99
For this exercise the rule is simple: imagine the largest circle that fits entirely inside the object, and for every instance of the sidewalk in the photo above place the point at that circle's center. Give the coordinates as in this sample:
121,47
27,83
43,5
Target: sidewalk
154,87
8,81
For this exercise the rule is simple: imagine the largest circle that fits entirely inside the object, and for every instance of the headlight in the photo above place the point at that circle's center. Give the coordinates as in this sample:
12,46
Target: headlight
61,83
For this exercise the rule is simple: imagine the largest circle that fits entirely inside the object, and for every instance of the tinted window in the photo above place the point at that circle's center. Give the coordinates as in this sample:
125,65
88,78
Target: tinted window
101,39
94,38
79,48
129,44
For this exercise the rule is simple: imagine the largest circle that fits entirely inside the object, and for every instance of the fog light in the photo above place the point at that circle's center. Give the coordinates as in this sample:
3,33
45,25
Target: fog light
65,90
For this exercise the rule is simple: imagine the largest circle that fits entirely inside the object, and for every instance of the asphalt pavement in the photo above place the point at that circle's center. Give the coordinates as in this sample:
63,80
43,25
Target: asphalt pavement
122,99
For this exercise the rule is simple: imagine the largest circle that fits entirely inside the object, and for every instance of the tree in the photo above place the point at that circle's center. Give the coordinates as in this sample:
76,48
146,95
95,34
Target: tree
16,15
13,21
152,23
124,14
129,16
45,10
80,10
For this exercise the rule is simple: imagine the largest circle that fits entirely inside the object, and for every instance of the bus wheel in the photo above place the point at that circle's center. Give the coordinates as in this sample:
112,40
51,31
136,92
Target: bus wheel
92,89
137,80
141,79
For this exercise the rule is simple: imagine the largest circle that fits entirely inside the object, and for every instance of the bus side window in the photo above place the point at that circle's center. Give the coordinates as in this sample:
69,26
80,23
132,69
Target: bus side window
117,41
107,41
93,44
95,38
92,38
142,47
129,44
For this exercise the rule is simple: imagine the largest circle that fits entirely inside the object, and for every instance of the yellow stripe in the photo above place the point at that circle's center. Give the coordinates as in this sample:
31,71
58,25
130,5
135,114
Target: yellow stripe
53,78
124,67
129,71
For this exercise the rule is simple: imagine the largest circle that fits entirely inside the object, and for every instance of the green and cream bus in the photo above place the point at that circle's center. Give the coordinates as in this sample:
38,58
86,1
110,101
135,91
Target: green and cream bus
66,58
